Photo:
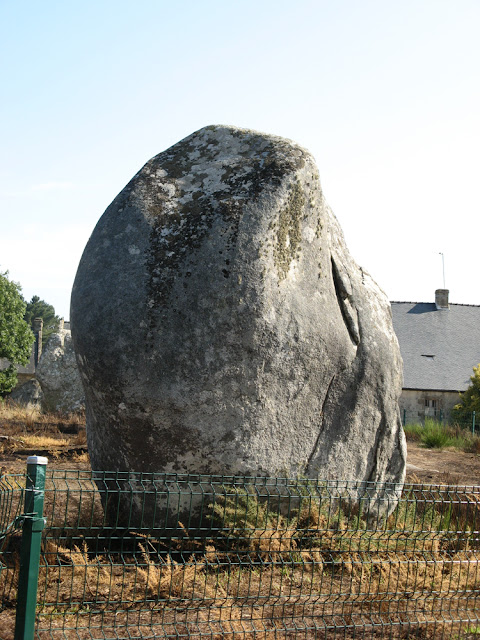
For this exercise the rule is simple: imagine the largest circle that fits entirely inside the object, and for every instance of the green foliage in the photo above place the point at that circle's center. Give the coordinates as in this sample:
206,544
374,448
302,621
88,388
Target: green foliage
240,511
469,400
413,431
37,308
435,435
16,339
331,523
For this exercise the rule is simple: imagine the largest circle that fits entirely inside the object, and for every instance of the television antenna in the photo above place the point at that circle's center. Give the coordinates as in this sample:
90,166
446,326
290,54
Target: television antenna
443,268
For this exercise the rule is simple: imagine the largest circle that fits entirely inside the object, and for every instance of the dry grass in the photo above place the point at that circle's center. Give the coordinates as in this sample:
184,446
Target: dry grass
32,417
267,576
306,572
43,441
21,418
24,416
25,430
200,594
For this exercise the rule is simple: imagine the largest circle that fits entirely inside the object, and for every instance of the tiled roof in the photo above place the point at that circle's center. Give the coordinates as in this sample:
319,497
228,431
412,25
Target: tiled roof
28,368
439,347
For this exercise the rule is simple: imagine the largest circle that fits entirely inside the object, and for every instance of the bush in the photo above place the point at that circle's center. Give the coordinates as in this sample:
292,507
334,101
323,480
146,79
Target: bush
413,432
435,435
469,400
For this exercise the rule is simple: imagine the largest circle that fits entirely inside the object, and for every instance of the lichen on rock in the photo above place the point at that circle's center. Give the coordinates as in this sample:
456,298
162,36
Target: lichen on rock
58,375
289,230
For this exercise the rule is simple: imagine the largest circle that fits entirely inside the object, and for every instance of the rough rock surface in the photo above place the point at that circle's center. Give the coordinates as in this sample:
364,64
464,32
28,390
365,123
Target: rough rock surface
58,375
28,394
221,325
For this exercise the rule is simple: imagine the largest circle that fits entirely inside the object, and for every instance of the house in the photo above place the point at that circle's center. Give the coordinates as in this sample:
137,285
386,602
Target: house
440,345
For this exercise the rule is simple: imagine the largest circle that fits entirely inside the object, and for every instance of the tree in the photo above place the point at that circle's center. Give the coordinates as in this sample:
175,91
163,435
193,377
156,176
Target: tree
37,308
469,400
16,338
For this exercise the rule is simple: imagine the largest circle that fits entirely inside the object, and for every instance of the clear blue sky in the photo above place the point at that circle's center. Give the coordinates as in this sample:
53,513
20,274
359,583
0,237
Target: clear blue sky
386,95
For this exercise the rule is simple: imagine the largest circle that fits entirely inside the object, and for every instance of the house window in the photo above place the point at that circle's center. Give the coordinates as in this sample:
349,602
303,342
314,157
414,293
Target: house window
431,406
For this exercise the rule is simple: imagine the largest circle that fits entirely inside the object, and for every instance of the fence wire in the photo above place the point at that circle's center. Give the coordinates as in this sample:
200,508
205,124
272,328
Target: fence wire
469,422
137,555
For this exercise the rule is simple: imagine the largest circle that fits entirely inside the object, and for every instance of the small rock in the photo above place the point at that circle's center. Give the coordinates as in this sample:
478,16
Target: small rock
29,394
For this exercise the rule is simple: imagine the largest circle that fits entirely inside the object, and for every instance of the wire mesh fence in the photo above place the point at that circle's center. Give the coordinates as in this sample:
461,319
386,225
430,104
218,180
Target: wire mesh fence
137,555
469,422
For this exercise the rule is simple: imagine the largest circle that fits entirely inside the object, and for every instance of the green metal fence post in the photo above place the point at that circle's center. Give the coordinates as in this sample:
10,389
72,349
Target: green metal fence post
473,423
33,524
404,417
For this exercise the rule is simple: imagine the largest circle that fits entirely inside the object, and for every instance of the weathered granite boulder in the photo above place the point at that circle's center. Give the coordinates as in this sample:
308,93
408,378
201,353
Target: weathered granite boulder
58,375
222,327
29,394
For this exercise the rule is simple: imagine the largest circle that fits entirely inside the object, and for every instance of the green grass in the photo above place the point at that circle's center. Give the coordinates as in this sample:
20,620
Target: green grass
435,435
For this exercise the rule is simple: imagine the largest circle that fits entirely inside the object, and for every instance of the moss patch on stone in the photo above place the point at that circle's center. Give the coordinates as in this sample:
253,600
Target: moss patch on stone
289,231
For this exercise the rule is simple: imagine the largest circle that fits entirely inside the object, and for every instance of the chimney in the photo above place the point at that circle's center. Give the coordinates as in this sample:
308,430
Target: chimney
37,331
441,299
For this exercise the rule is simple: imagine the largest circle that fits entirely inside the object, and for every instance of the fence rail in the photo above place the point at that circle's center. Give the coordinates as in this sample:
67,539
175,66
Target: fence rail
470,422
137,555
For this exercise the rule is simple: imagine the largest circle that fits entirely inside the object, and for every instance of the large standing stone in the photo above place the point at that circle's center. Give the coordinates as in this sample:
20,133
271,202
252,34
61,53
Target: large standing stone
58,375
221,325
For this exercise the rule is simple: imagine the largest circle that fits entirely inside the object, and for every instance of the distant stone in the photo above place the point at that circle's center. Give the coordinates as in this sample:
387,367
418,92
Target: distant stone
29,394
222,327
58,375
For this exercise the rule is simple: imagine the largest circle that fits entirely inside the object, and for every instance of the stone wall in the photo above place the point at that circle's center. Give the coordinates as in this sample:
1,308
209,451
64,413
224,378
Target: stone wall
414,408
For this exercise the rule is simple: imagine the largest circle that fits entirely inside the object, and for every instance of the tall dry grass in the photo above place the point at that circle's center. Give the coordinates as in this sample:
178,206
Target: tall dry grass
264,574
27,428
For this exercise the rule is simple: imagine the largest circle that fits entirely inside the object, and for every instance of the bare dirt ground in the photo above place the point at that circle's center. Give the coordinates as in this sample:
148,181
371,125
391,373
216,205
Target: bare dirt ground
443,466
63,441
426,466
